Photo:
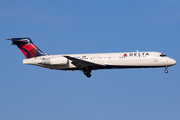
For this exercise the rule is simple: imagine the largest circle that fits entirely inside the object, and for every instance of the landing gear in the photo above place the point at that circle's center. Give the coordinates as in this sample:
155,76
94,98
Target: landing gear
88,75
87,72
166,71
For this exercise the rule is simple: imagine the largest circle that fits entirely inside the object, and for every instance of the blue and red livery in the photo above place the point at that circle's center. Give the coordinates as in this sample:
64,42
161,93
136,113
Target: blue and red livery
27,47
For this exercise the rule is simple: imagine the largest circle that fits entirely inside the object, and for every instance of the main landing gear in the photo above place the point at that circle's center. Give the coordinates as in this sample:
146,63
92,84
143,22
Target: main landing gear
166,71
87,72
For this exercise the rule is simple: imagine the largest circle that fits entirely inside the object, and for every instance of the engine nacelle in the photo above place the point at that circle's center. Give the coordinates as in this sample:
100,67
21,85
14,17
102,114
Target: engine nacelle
55,61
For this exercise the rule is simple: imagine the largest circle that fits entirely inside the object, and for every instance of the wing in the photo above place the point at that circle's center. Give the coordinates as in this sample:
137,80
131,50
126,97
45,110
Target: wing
82,64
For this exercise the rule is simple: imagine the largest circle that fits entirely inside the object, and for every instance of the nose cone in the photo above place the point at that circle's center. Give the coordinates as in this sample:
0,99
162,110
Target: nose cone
172,61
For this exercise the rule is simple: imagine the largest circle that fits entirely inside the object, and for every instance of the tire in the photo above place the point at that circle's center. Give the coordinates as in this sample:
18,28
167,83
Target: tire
88,75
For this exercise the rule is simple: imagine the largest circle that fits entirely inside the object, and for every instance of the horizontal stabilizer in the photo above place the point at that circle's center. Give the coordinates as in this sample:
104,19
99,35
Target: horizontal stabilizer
20,40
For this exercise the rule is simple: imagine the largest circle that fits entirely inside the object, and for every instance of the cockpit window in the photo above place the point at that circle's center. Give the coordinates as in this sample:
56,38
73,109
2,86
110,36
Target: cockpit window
162,55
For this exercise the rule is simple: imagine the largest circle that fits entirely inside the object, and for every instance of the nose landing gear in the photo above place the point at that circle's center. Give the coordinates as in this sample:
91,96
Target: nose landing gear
166,71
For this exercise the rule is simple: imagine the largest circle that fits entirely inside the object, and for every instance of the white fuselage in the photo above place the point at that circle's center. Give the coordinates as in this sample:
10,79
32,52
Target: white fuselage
105,60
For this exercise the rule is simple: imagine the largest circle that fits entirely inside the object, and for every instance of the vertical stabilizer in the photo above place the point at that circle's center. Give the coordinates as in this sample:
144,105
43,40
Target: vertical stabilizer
27,47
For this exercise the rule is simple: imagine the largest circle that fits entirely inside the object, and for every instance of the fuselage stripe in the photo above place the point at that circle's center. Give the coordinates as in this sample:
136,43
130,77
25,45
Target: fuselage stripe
29,55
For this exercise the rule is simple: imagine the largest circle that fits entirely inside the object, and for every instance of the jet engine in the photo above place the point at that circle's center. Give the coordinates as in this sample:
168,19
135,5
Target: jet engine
55,61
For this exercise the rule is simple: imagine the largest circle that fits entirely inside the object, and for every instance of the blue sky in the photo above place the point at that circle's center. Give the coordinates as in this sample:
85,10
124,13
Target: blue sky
96,26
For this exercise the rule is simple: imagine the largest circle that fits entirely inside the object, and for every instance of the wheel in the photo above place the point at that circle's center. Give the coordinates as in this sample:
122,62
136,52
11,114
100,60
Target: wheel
86,72
166,71
88,75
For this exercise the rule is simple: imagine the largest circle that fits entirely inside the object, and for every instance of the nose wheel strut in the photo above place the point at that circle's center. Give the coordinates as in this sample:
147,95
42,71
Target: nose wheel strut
166,71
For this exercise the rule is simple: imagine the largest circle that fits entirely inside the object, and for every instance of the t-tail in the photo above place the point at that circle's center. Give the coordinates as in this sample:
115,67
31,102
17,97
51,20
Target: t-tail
27,47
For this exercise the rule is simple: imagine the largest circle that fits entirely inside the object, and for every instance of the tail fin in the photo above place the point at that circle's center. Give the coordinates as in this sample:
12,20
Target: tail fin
27,47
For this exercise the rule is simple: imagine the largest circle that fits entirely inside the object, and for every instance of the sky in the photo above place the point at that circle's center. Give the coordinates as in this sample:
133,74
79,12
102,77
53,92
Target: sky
96,26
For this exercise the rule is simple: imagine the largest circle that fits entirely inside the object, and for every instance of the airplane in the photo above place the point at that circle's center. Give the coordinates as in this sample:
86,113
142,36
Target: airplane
89,62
